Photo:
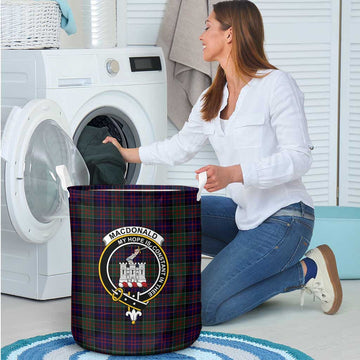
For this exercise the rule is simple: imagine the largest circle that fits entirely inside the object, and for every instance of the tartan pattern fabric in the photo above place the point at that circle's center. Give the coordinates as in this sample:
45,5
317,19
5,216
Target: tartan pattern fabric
171,320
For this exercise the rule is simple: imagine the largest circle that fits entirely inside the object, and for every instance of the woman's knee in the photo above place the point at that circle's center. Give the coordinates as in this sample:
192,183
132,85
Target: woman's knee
207,320
208,313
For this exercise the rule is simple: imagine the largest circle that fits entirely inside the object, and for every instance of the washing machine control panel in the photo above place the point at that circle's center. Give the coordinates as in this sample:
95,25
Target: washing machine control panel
112,67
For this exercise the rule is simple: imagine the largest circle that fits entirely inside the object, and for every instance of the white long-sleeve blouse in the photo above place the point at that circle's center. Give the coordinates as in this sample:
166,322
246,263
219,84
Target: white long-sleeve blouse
266,134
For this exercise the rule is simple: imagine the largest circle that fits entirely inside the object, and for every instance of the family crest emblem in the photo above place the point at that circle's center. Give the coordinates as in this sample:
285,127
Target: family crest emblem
133,268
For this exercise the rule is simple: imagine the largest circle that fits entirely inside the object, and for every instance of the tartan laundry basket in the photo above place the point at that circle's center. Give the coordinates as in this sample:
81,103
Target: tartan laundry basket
136,254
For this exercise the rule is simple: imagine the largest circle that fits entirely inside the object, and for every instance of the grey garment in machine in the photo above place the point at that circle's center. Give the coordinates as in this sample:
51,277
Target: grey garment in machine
104,161
188,75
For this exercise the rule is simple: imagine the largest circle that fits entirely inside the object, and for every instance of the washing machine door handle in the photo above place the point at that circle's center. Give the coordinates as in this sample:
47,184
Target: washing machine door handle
36,148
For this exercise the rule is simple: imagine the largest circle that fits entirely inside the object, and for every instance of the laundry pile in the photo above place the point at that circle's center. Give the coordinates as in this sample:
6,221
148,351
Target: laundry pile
104,161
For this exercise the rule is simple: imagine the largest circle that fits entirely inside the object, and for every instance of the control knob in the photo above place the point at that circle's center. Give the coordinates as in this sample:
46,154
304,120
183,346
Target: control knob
112,67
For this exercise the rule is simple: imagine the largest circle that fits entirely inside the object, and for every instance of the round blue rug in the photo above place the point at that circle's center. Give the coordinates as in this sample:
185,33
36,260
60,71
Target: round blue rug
209,346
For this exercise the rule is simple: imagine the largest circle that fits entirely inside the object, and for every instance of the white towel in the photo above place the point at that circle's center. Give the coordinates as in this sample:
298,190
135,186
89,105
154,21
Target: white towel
187,73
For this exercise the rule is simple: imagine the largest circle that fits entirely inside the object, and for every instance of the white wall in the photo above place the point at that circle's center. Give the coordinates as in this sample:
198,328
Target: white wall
76,40
142,22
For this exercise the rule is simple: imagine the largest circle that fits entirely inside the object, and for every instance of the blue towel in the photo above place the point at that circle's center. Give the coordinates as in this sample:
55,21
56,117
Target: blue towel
67,17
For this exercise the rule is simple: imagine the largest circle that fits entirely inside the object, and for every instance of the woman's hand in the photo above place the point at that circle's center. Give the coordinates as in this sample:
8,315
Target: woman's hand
129,155
218,177
114,142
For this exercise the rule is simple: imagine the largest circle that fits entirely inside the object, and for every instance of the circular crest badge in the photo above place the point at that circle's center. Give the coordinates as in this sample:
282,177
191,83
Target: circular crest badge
133,268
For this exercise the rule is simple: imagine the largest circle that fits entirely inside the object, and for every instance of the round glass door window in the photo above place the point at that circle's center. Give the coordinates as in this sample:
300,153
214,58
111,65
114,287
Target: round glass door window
50,148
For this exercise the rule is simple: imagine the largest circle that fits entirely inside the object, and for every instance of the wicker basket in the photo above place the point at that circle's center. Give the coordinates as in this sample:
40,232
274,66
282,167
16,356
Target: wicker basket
27,24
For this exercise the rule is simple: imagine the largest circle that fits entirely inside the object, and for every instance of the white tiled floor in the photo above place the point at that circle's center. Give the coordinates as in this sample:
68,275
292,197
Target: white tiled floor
280,320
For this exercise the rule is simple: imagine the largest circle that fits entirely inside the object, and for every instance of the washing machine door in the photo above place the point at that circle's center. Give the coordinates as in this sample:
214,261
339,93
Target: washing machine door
40,162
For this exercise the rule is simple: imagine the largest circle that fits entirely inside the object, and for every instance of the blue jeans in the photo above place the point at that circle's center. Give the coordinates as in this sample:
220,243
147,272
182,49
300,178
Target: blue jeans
249,266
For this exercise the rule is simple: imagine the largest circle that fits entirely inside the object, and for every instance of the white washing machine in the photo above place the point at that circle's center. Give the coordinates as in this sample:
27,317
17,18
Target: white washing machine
48,97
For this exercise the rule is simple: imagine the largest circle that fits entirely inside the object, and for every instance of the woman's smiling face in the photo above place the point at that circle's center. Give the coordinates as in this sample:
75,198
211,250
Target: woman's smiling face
214,39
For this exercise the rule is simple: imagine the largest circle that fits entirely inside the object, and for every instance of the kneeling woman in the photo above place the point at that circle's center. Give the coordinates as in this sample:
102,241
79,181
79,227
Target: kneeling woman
253,116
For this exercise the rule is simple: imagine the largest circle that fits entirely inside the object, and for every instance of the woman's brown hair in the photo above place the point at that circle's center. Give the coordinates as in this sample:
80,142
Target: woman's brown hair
247,49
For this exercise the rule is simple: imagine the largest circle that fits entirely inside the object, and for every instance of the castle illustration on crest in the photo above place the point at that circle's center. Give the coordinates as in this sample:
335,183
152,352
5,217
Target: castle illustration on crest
132,274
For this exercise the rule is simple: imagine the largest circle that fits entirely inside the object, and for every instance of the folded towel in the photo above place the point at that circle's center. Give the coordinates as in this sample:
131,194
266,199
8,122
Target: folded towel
67,17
